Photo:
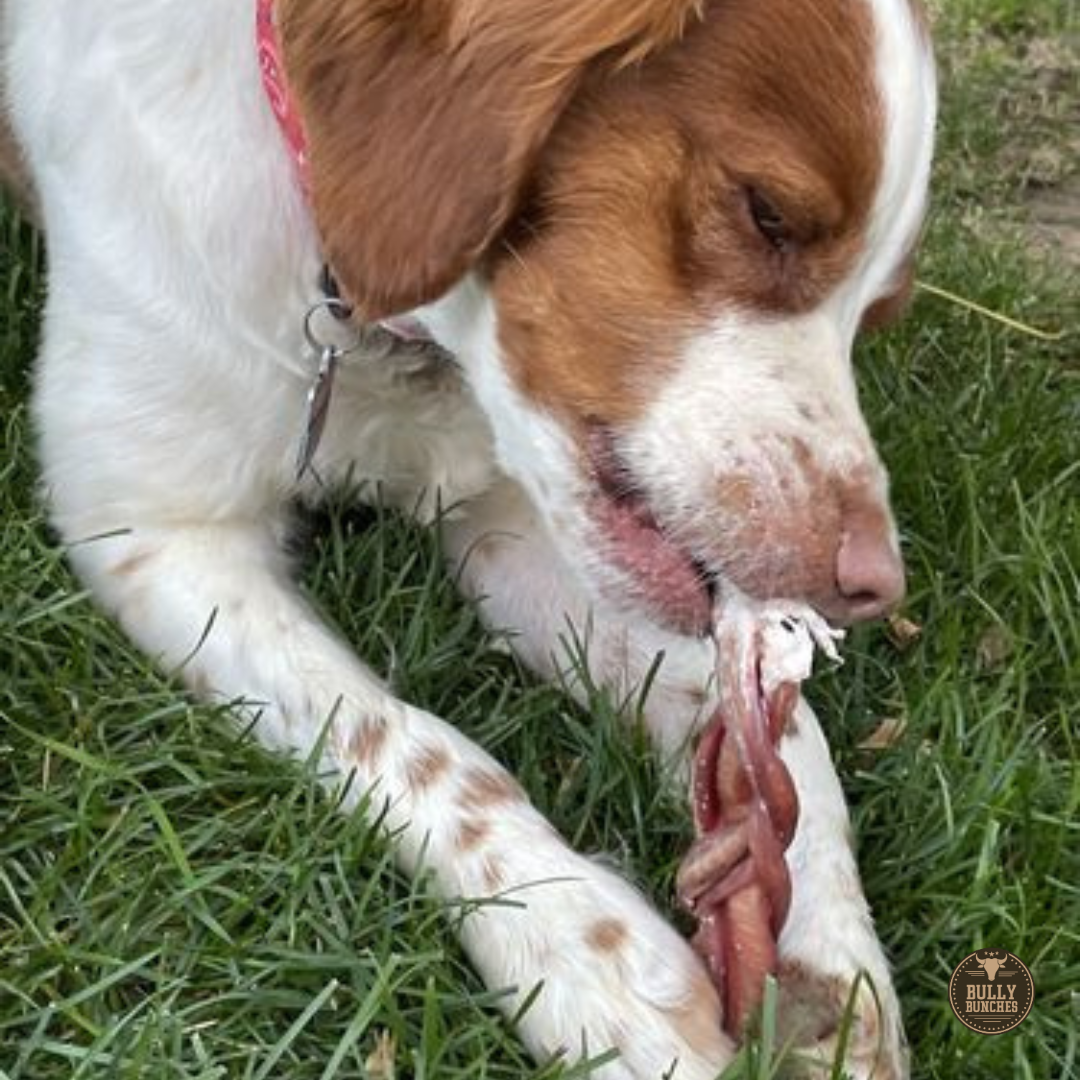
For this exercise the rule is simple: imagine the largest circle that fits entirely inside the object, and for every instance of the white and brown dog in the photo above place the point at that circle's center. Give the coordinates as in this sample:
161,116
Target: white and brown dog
649,232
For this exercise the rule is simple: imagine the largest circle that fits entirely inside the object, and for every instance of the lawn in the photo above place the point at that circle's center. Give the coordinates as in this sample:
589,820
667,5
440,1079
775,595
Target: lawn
175,904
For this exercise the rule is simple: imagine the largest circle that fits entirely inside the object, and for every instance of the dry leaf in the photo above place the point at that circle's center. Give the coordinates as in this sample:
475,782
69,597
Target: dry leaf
380,1062
994,648
903,633
886,735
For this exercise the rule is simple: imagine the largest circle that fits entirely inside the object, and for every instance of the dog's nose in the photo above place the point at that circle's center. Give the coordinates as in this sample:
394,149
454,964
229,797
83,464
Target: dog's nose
869,571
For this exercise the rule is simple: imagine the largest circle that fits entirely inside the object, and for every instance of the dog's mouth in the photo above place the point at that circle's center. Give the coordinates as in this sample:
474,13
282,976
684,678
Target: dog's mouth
665,577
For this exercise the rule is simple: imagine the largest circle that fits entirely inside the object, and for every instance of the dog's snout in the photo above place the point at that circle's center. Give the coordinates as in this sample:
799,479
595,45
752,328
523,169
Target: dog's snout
829,539
869,571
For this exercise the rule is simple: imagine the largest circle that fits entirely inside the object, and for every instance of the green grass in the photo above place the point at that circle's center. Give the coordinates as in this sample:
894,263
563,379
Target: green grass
174,904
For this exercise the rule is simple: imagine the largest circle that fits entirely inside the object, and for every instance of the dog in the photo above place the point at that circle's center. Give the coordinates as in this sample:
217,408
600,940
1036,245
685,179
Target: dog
638,239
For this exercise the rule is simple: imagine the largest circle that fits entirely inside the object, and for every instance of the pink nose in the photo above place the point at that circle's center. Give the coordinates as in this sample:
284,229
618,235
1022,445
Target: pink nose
869,572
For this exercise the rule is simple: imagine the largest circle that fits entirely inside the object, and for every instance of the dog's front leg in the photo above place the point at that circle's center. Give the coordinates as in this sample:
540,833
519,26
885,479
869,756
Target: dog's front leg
505,559
828,941
215,603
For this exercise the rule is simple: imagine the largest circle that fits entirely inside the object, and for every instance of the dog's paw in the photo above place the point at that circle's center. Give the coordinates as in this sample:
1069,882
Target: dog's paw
595,973
825,1016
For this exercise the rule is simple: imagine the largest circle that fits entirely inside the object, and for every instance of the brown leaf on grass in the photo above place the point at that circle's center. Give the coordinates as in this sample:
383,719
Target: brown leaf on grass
380,1062
886,735
903,633
994,648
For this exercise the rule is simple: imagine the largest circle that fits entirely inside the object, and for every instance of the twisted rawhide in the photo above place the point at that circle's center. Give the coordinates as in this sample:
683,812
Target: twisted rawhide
734,879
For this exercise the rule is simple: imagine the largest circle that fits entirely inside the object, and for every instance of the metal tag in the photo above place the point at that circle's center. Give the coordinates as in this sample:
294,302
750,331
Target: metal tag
322,387
318,407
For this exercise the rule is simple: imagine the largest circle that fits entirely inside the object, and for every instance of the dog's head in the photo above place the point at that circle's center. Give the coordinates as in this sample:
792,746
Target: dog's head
676,216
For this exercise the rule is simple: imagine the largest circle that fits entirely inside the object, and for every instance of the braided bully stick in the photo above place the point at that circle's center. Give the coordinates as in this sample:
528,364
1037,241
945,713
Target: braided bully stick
734,879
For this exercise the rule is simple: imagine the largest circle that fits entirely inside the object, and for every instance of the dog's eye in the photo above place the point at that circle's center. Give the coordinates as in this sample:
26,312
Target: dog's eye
769,221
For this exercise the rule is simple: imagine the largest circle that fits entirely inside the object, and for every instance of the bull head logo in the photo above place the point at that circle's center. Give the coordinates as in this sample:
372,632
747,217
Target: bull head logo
990,964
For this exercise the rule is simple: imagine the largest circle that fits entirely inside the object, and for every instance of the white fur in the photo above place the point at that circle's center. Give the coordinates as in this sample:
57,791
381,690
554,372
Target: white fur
908,90
699,429
170,400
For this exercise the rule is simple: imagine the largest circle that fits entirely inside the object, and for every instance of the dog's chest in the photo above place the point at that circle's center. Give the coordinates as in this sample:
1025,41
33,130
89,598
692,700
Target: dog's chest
404,427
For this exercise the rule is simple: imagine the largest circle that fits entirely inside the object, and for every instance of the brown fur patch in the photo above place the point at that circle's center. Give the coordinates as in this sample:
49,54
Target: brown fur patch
607,935
811,1010
424,118
484,788
366,744
427,767
812,1005
472,833
638,225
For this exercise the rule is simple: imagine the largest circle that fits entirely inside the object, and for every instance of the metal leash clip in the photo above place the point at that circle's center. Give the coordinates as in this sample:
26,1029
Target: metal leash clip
322,388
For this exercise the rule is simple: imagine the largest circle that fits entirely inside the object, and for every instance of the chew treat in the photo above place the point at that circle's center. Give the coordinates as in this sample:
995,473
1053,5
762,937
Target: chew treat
734,879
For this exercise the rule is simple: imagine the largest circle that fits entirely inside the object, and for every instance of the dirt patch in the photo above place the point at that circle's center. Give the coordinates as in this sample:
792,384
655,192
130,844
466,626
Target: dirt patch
1052,187
1055,221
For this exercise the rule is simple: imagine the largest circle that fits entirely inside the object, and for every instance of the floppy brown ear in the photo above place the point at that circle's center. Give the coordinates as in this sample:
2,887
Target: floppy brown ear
423,119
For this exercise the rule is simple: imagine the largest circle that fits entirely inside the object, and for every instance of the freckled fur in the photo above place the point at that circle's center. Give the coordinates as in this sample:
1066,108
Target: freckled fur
483,789
428,767
607,935
472,833
366,744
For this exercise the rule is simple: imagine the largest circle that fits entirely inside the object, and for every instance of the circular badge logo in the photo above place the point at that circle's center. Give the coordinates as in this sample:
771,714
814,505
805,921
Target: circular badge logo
991,991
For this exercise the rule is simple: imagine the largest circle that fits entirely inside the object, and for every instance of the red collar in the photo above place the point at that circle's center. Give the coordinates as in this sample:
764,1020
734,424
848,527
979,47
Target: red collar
268,43
276,85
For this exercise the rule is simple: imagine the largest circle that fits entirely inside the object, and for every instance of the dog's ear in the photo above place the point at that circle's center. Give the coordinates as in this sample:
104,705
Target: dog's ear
424,117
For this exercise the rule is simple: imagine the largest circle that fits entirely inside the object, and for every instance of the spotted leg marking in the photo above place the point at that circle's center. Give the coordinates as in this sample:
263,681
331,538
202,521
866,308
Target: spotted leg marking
215,603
